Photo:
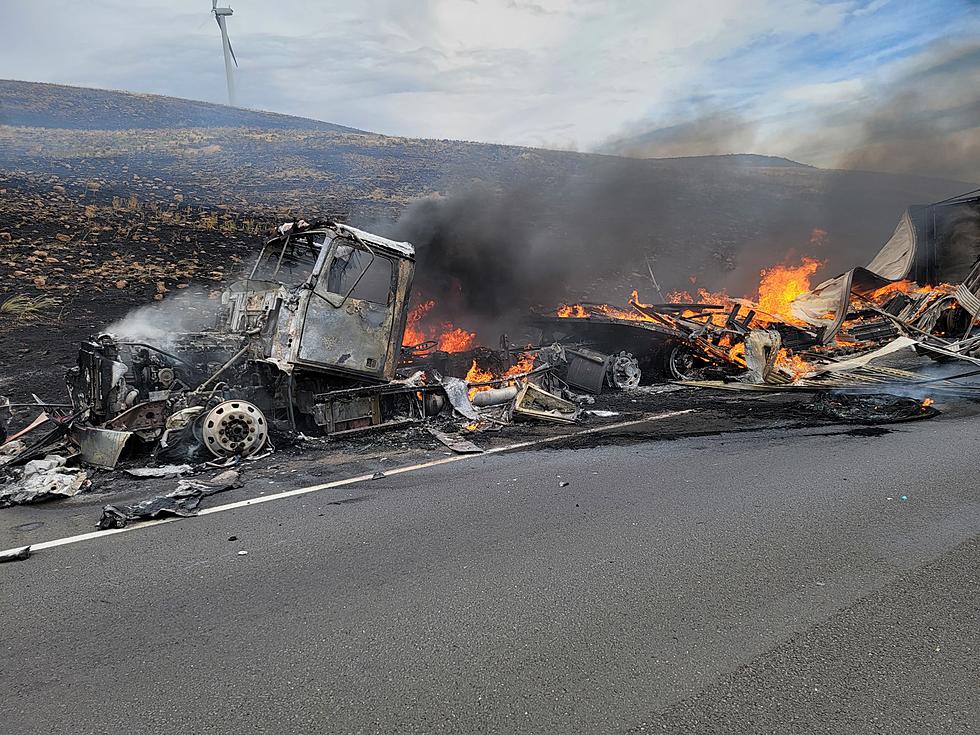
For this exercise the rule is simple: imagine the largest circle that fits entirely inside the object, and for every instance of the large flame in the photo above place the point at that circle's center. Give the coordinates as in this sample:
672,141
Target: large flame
456,339
413,330
447,337
781,284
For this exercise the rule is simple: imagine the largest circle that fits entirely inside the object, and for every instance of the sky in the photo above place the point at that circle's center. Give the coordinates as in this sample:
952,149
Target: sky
819,81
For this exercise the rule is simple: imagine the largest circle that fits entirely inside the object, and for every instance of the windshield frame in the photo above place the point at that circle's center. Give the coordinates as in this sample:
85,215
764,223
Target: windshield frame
269,251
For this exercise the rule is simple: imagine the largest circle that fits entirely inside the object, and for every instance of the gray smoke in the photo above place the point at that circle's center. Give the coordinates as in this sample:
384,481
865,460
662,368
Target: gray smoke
158,323
709,132
923,119
489,253
927,121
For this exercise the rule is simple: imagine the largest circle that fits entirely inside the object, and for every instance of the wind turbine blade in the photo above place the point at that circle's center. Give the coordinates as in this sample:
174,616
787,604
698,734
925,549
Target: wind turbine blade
232,53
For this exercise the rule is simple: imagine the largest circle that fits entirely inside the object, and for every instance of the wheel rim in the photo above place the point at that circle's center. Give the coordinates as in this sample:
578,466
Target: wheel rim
234,427
681,363
625,372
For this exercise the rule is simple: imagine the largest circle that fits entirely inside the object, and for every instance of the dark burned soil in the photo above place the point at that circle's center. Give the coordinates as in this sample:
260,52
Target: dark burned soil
93,256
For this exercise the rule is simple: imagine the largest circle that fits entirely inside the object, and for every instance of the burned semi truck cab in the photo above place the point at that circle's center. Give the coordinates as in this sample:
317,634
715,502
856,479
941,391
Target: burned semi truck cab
327,300
323,309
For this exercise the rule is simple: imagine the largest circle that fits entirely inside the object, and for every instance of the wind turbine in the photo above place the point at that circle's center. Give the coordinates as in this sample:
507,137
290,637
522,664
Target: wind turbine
219,15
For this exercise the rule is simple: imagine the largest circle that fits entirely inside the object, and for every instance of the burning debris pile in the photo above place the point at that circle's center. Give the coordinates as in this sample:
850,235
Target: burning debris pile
792,336
321,337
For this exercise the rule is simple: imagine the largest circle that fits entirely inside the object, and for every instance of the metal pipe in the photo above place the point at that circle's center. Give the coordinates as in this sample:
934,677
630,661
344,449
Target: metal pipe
495,396
224,367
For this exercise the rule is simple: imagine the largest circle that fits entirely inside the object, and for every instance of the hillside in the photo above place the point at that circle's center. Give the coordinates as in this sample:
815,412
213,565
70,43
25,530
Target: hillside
81,108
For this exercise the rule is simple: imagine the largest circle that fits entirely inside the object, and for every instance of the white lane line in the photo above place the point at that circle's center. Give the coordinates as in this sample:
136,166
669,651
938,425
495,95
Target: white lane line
342,483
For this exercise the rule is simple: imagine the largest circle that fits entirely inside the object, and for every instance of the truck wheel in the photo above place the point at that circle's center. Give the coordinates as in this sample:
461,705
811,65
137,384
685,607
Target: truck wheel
234,428
681,363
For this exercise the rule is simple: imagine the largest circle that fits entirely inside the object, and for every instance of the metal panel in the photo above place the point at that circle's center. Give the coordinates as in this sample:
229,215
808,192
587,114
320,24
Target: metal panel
586,369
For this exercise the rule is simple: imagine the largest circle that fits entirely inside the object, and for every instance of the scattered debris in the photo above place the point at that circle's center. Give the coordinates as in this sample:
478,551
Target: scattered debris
101,447
876,408
165,471
16,555
182,501
534,402
457,444
319,338
41,480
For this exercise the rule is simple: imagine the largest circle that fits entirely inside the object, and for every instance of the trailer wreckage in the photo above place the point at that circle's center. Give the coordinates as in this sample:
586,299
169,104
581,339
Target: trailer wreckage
314,339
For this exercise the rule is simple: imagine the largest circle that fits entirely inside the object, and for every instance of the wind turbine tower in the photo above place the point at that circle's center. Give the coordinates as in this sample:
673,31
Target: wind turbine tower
219,15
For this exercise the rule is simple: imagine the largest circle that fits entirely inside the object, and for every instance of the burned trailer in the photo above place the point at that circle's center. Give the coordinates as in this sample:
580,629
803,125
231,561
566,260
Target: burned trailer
652,341
596,341
322,310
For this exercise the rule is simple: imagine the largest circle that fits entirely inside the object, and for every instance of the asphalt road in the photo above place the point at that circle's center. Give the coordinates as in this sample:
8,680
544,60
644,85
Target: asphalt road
763,582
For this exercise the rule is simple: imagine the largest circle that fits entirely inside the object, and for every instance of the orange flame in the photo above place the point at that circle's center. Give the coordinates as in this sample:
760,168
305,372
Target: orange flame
456,340
927,402
413,333
781,284
737,354
778,287
908,287
448,338
572,310
476,374
792,363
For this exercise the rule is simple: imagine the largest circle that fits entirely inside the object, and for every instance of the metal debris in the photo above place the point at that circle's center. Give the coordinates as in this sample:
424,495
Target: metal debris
533,402
16,555
182,501
165,471
43,480
101,447
457,444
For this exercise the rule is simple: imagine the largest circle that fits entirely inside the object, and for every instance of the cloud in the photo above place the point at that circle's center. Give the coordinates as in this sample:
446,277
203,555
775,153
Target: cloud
925,120
572,73
826,92
916,114
517,71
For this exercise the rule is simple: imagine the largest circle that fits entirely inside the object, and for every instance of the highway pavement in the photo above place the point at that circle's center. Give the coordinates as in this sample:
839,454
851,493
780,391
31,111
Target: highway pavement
788,581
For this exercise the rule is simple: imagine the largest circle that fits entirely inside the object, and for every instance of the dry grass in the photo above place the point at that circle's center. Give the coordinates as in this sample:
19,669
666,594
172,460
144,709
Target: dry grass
28,308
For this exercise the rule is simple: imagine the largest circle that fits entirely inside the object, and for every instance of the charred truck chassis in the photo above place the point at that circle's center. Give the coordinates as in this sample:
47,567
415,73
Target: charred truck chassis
322,312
